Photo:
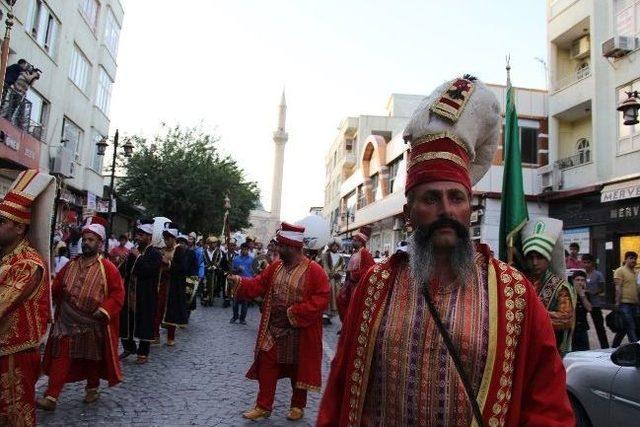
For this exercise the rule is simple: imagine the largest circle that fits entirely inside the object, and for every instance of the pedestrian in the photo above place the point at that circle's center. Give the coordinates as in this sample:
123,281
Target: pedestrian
61,259
289,345
541,240
359,264
141,272
83,341
573,260
627,297
597,297
119,252
583,306
242,267
25,230
333,264
377,254
74,242
13,105
175,311
443,334
212,262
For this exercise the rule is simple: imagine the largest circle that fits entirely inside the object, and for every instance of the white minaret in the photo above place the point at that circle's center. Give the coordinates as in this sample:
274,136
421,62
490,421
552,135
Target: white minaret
280,138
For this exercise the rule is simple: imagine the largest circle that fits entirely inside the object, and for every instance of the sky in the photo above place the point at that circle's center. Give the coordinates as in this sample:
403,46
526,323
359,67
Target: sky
222,65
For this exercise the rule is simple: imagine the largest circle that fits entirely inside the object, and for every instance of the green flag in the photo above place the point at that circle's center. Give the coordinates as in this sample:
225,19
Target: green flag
513,213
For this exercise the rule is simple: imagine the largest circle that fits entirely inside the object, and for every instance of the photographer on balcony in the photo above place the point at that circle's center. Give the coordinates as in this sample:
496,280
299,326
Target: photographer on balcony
13,99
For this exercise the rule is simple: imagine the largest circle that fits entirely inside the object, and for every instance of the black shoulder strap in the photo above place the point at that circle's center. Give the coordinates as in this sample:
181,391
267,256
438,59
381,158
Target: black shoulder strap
446,337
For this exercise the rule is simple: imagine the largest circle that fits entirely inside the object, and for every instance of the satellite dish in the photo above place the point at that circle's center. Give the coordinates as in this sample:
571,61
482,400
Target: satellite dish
317,232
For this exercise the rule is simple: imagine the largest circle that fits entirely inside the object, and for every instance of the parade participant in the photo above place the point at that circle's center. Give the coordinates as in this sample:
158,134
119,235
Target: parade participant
229,254
212,261
118,253
272,252
359,263
25,308
597,297
242,267
192,267
443,334
83,342
543,251
193,244
626,301
333,264
175,311
141,272
289,345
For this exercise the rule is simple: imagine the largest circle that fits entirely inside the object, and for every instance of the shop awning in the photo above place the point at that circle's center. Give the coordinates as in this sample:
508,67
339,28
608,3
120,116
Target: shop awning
620,191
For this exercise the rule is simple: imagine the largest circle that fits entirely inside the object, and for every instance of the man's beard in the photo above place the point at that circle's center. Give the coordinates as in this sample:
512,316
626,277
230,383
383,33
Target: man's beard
423,253
88,251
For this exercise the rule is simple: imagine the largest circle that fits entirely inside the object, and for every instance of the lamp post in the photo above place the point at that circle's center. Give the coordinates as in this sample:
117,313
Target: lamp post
102,147
629,108
345,216
4,50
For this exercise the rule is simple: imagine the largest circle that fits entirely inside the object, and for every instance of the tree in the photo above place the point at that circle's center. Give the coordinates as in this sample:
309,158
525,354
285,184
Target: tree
182,175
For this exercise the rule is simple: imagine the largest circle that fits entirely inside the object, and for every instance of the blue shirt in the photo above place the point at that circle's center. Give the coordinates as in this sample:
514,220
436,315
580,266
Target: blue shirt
200,258
242,265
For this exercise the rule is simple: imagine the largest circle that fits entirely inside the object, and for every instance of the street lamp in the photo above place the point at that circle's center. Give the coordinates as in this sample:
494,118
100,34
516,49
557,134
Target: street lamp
345,216
102,148
629,108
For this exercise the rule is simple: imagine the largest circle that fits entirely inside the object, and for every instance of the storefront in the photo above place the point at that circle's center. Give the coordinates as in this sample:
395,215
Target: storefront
604,223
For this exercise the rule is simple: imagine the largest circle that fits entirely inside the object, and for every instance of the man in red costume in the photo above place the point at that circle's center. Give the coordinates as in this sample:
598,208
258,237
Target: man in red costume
359,264
445,334
296,293
83,342
25,308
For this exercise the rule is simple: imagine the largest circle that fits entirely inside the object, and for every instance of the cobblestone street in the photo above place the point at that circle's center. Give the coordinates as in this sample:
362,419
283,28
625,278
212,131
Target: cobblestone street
199,382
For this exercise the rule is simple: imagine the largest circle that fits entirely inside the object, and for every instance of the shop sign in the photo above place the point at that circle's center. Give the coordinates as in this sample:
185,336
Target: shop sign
620,191
626,212
581,236
91,201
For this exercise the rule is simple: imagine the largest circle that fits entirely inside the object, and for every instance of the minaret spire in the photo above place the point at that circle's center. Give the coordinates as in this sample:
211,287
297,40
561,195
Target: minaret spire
280,138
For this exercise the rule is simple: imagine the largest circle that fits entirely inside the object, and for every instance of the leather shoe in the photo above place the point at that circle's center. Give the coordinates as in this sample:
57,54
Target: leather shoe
91,395
295,414
125,354
256,414
47,403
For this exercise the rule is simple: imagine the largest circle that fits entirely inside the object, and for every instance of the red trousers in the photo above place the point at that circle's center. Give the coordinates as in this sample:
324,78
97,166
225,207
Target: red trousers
59,371
269,370
18,393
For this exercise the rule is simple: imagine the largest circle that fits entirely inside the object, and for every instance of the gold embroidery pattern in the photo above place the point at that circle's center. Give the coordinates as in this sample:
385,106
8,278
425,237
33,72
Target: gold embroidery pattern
451,103
374,286
425,139
515,304
12,393
433,155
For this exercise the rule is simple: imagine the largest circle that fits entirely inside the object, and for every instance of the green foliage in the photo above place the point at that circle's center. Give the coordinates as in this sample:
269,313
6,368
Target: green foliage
183,176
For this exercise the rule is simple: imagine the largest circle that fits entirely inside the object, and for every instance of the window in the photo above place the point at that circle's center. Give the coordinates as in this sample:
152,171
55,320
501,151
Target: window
529,145
583,150
362,197
627,17
43,26
39,113
374,186
89,9
111,33
72,138
96,160
394,167
103,91
348,145
628,135
79,69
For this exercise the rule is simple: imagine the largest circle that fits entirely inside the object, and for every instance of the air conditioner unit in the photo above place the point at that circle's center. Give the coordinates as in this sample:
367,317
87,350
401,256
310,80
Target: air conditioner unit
63,163
581,48
618,46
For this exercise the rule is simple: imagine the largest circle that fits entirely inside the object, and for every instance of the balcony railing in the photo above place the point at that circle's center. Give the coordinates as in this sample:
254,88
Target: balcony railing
569,79
17,110
579,159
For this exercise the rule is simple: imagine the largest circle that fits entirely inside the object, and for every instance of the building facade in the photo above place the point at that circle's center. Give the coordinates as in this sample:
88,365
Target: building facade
372,188
592,182
66,111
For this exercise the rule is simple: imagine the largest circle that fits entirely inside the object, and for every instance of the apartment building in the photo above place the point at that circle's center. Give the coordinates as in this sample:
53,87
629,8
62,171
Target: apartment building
373,178
592,181
66,111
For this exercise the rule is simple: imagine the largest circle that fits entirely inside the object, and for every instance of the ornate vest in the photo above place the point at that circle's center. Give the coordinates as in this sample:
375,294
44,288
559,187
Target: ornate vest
25,325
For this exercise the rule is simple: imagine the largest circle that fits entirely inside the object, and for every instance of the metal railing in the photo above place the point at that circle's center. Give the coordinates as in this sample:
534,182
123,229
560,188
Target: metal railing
581,158
567,80
17,109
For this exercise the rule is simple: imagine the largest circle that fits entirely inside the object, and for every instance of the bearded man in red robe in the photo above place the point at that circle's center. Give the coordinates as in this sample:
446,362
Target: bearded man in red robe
445,334
358,265
296,293
25,308
83,342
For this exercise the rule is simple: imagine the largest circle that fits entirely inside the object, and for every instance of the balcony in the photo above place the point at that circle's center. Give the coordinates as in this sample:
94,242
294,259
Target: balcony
578,159
569,79
16,109
19,136
558,6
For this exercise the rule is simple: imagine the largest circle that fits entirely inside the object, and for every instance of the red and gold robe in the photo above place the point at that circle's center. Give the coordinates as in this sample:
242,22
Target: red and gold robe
102,287
519,377
305,315
359,264
24,314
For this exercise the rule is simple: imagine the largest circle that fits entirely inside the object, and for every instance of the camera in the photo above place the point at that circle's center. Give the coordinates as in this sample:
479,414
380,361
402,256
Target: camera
32,69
